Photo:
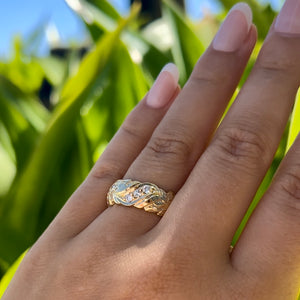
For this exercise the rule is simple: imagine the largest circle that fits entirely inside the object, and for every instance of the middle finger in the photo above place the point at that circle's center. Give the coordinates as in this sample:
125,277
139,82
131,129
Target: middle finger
184,132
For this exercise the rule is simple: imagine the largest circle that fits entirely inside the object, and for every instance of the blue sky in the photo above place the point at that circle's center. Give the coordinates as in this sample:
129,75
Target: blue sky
22,16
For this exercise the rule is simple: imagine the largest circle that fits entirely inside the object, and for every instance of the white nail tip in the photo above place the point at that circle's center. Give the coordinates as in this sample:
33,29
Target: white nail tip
172,69
246,10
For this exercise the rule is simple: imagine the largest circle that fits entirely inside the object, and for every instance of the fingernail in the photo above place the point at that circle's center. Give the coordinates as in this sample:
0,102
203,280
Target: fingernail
164,86
288,20
234,29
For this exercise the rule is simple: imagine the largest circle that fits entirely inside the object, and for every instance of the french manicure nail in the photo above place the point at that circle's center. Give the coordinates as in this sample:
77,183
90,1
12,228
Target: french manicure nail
164,86
234,29
288,20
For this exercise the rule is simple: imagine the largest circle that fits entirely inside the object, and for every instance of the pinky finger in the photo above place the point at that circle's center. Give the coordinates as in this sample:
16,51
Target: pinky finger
89,200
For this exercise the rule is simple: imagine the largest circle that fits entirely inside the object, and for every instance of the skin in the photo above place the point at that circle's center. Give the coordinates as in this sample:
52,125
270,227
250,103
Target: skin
93,252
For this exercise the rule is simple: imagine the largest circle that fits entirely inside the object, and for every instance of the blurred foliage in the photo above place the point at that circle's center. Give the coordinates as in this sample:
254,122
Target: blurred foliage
46,153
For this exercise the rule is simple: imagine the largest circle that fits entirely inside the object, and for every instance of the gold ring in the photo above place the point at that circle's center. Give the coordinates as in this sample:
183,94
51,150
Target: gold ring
140,195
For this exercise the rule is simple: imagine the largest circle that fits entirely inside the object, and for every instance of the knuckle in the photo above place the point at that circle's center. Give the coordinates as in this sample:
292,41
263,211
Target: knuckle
289,185
207,70
130,129
106,171
174,147
274,64
279,56
207,78
242,146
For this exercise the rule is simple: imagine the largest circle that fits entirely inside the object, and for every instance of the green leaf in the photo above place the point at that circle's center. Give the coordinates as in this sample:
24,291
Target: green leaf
11,250
23,204
72,167
54,69
99,16
295,123
187,47
23,118
22,71
9,274
125,85
7,162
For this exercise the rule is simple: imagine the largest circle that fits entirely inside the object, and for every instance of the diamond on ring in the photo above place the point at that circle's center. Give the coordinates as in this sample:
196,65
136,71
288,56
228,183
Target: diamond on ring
140,195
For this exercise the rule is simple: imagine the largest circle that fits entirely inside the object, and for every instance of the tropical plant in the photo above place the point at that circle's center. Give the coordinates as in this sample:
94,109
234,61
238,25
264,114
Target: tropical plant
46,153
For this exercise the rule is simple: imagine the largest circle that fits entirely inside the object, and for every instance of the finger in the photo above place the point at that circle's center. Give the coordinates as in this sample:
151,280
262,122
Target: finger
227,176
181,137
89,200
270,243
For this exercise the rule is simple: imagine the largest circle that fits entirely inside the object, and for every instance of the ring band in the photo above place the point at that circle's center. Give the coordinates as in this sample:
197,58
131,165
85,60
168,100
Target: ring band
140,195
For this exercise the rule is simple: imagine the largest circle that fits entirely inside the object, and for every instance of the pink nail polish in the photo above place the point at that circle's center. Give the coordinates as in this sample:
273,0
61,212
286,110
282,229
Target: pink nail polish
164,86
288,20
234,29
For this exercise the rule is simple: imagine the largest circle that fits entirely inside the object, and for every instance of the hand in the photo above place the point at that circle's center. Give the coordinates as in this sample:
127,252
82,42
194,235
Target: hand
94,252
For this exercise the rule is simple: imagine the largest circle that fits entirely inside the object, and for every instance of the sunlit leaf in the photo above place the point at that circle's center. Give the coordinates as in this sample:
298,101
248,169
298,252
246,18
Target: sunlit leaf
187,47
7,162
25,200
21,70
23,117
125,85
9,274
99,16
295,123
55,69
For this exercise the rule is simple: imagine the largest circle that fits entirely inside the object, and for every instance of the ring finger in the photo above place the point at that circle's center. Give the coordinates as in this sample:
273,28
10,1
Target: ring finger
89,199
